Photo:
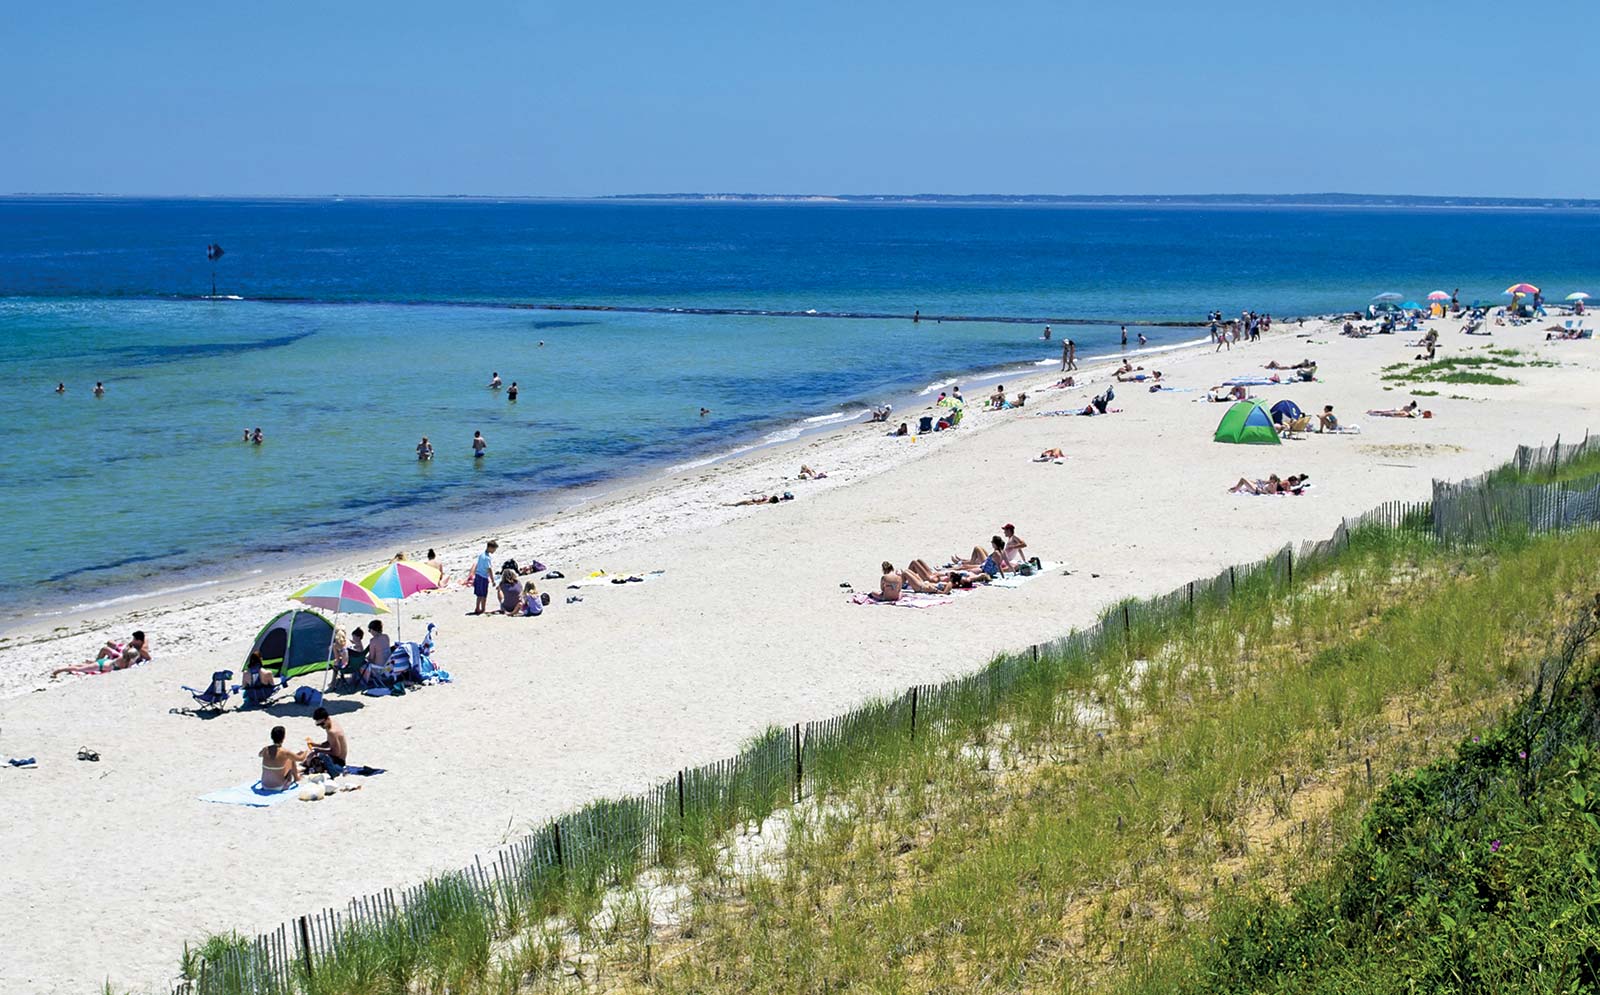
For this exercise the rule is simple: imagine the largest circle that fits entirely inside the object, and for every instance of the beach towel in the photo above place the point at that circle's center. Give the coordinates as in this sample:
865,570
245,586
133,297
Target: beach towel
251,795
1017,580
1251,380
908,599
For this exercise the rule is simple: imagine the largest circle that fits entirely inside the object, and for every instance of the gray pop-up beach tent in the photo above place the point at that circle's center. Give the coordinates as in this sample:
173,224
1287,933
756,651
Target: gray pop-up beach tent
296,642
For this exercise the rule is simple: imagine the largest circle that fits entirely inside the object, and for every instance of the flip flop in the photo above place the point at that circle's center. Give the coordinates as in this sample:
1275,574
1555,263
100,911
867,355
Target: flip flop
84,753
23,762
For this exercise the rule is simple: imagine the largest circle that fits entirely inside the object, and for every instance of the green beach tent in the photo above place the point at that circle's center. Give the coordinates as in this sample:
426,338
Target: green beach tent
295,642
1247,422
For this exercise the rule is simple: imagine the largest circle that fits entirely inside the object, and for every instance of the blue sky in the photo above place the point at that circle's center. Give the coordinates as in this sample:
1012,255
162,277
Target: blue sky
530,97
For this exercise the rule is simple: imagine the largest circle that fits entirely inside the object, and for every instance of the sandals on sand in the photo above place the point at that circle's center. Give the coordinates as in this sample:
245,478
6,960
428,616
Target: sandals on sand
84,753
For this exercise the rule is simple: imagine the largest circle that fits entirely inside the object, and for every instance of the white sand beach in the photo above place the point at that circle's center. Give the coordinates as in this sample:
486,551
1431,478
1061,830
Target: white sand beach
112,865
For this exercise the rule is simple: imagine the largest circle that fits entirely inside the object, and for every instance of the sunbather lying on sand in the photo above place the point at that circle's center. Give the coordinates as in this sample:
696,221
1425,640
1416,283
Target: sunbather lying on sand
1293,484
950,578
1063,382
1226,394
1275,365
112,656
806,473
1050,454
991,562
1409,411
1137,377
770,499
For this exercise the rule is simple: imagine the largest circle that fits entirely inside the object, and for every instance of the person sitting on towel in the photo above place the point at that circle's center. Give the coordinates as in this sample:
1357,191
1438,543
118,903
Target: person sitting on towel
888,585
331,754
279,766
992,563
1327,421
1012,554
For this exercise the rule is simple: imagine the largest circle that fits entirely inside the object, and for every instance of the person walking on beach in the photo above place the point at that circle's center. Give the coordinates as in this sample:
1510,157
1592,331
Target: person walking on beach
424,449
479,444
482,573
1066,354
511,392
494,380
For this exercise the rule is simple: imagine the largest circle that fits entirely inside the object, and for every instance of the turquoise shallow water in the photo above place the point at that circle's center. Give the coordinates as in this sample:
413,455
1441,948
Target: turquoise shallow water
360,336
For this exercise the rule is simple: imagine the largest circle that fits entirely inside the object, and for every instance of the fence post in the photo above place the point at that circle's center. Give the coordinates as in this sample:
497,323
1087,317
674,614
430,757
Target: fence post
680,794
561,860
1035,655
1291,566
1191,595
1127,625
914,701
305,946
1232,585
799,765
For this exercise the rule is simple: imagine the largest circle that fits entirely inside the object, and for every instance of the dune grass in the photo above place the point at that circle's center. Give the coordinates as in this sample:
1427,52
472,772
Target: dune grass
1113,806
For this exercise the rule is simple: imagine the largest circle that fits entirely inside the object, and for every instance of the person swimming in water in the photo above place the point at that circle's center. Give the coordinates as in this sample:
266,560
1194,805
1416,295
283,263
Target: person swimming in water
61,388
494,380
99,389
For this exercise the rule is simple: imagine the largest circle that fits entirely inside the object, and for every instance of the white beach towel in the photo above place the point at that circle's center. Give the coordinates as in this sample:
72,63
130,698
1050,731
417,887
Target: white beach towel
1017,580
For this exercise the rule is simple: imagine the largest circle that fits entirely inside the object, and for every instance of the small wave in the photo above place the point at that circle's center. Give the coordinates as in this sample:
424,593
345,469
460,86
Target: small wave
833,417
939,385
696,464
783,434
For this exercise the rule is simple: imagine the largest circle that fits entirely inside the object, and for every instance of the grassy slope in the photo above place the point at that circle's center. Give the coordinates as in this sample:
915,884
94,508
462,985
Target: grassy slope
1095,830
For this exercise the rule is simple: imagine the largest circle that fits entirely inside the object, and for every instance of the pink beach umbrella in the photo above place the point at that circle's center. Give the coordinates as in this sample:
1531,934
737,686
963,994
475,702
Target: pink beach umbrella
340,596
1521,288
400,580
1438,295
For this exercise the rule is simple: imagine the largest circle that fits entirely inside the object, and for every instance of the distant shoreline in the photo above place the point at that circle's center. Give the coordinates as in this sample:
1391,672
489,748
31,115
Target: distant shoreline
1351,200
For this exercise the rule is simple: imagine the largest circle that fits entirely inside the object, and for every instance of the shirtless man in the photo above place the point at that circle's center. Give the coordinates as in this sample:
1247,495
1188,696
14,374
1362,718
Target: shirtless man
332,753
279,767
888,585
1012,554
424,449
479,444
494,380
99,389
61,388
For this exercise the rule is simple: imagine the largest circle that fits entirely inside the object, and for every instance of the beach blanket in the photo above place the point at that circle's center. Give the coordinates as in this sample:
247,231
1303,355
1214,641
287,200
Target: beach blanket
251,795
1017,580
601,577
1252,380
908,599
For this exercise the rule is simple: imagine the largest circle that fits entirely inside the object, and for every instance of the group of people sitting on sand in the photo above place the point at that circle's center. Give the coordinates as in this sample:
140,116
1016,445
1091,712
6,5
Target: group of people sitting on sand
1305,370
282,767
1005,556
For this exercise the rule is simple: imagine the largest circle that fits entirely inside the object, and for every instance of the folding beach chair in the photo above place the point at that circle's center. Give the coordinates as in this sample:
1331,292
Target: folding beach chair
216,694
260,695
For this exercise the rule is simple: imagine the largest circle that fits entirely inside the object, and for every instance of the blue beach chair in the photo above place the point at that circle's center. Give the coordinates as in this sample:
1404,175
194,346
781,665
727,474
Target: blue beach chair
216,694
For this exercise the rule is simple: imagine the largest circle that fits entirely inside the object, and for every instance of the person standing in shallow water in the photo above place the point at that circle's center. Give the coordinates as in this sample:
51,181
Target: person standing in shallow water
479,444
1124,336
511,392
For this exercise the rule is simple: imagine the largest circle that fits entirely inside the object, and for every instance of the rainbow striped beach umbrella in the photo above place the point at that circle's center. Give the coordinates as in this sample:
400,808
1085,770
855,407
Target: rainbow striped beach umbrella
1521,288
401,580
340,596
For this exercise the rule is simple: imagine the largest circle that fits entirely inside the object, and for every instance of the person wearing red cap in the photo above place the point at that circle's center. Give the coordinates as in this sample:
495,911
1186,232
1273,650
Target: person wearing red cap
1014,557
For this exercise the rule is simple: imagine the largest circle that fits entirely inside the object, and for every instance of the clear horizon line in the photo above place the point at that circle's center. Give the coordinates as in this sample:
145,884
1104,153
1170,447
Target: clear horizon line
845,197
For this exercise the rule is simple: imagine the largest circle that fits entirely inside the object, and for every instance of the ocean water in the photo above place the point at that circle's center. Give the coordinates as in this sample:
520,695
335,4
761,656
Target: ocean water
366,324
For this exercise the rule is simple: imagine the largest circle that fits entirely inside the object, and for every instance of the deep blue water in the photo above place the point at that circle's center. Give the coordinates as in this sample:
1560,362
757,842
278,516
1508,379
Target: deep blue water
359,335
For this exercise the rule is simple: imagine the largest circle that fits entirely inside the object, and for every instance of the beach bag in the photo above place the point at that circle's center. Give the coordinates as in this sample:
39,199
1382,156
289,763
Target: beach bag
536,568
308,696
